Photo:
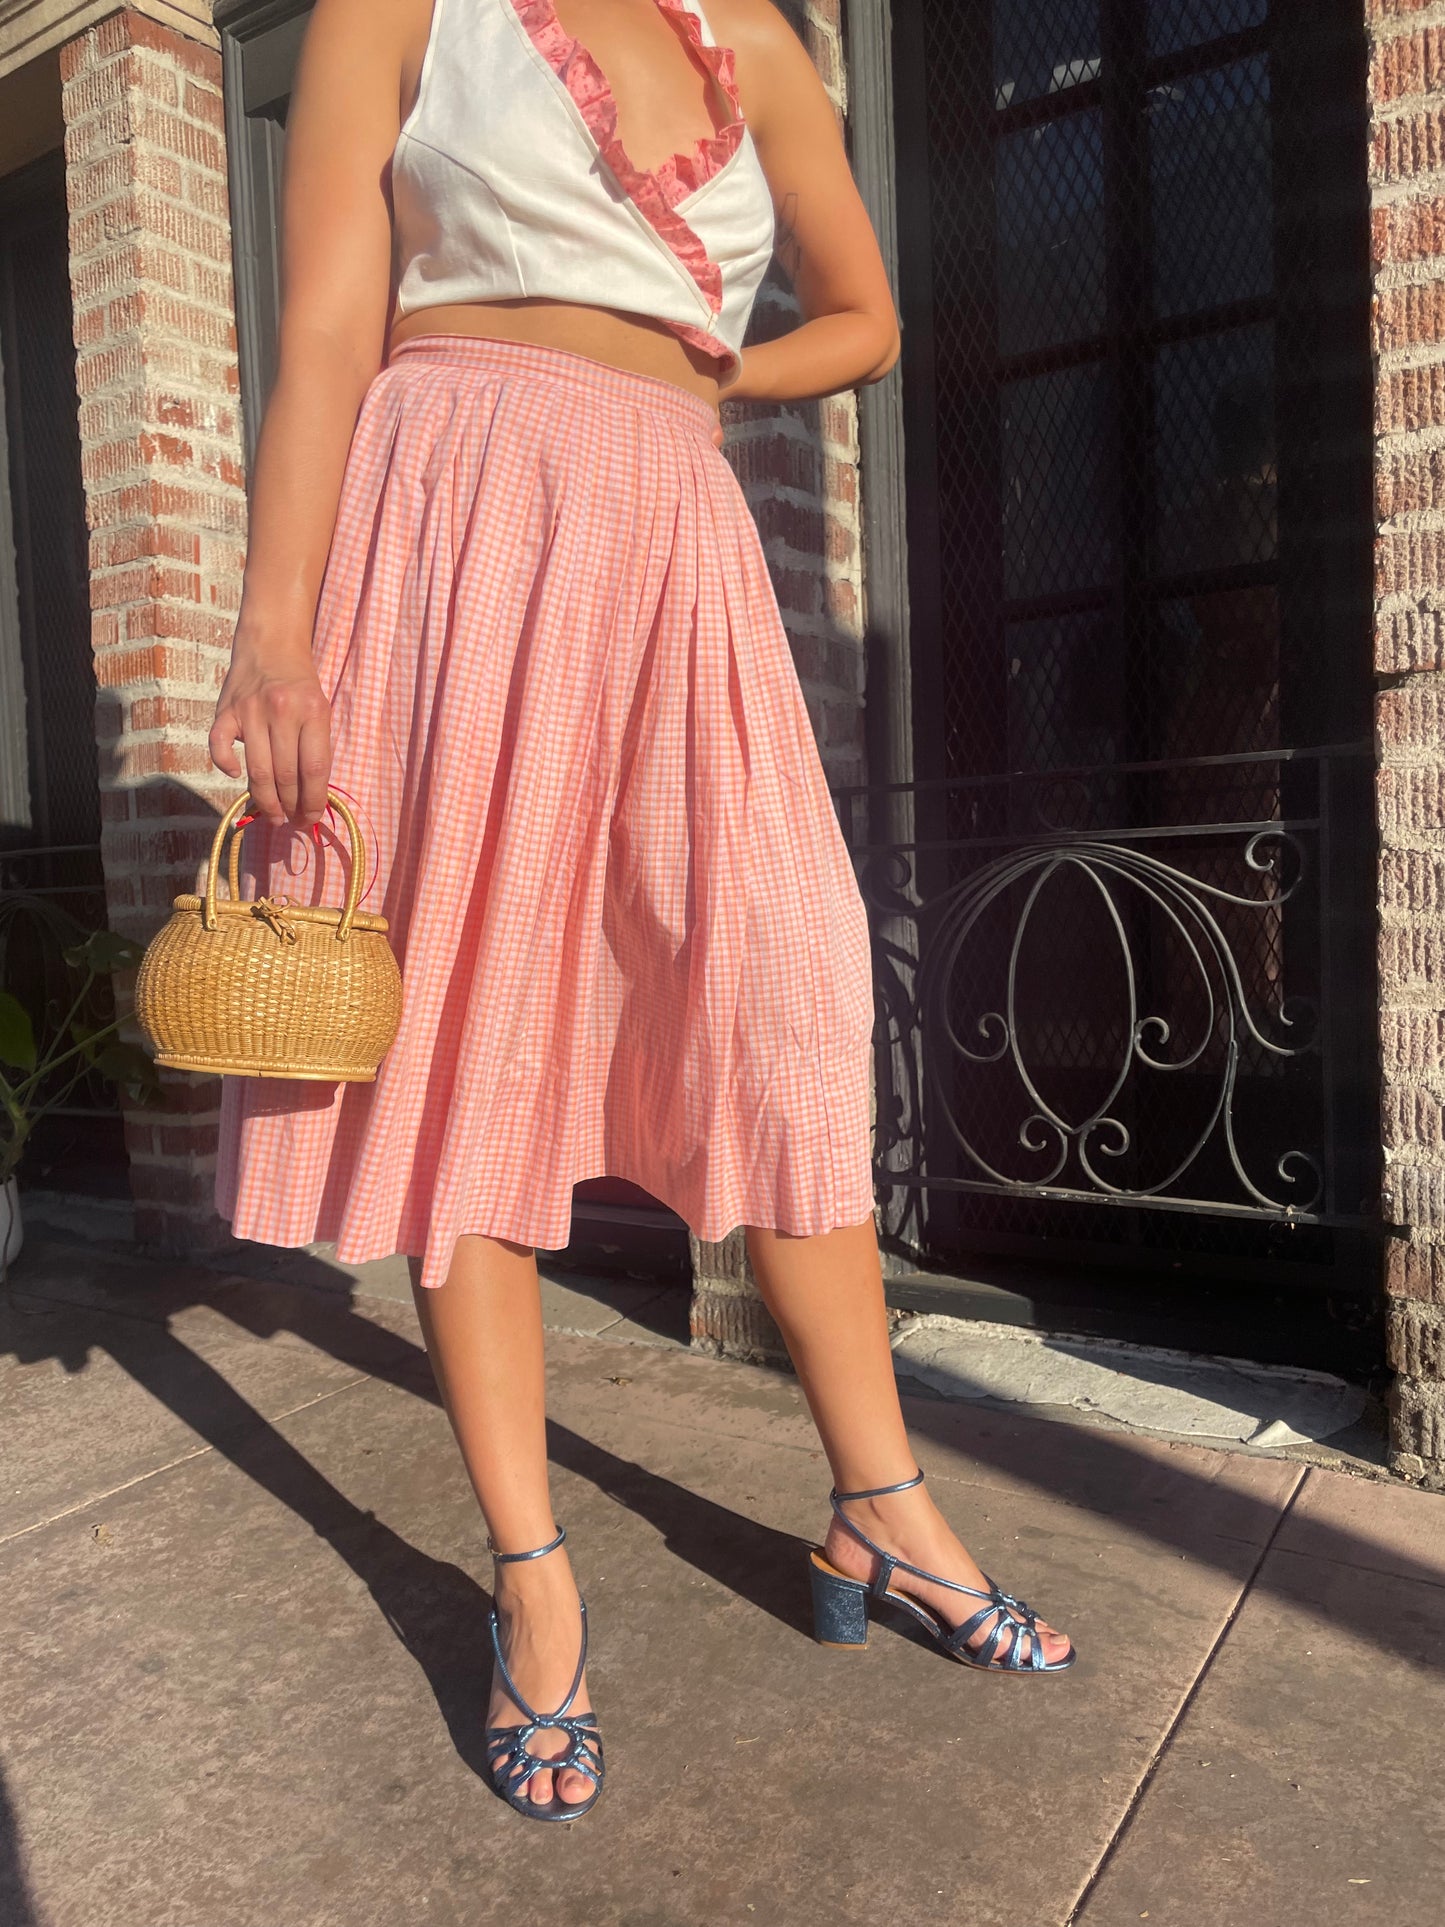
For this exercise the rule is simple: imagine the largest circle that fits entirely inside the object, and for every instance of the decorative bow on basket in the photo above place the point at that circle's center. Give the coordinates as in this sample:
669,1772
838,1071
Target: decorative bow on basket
270,988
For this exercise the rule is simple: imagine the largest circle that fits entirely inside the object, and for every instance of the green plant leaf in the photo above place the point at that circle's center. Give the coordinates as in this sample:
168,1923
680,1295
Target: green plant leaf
87,1037
126,1065
103,951
17,1037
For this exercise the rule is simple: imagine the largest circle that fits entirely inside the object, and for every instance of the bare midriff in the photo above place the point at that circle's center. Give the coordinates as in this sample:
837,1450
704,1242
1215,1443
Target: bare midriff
630,342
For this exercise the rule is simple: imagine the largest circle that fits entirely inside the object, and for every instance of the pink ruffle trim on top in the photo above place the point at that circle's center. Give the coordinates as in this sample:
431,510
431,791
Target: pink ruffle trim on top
683,174
657,191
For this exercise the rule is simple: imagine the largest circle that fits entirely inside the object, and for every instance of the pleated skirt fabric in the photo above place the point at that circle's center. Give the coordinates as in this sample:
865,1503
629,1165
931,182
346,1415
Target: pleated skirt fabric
630,935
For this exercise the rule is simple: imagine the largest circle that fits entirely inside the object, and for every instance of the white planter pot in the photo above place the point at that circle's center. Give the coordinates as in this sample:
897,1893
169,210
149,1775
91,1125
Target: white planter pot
12,1232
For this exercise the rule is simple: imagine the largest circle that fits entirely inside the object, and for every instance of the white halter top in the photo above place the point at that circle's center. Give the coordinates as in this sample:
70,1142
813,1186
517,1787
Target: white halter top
508,179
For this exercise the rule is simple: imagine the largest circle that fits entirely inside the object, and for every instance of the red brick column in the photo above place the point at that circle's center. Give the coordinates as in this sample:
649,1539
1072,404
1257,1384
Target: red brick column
1407,84
162,461
798,466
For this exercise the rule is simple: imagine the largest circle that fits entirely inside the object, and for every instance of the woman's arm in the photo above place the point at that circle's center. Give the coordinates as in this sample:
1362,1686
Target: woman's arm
341,128
826,242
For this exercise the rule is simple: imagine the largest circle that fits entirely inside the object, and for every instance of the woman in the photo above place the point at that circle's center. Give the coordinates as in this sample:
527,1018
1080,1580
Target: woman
502,588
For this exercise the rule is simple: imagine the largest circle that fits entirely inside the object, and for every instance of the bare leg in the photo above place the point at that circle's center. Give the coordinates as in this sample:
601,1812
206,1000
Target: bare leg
483,1332
826,1295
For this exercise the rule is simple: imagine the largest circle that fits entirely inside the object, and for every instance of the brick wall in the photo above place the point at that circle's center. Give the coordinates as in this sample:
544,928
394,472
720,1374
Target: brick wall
798,466
1407,179
162,465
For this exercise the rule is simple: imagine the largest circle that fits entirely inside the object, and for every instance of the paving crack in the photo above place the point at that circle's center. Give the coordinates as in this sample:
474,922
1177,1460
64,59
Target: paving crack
1126,1819
184,1458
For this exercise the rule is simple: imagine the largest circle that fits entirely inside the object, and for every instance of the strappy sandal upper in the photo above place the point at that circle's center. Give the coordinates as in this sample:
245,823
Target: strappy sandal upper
509,1762
1006,1617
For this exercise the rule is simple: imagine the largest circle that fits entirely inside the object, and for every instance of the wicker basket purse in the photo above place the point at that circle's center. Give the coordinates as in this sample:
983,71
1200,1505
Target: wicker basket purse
270,988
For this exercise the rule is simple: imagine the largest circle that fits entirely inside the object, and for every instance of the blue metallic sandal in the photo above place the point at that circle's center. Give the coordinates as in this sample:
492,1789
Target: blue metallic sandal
509,1763
840,1605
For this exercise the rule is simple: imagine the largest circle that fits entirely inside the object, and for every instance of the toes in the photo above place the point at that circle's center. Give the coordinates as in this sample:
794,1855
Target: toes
568,1785
1052,1646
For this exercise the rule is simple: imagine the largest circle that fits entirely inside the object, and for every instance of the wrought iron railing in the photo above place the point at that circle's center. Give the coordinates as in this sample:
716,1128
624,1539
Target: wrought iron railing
1077,1011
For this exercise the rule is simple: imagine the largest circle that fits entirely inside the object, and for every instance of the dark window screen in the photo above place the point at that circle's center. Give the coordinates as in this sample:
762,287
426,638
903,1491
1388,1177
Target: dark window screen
49,733
1145,374
1134,267
56,735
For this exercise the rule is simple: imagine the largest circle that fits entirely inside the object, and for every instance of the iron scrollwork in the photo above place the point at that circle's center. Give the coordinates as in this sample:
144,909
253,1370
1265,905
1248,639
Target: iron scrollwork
1178,1054
1078,1147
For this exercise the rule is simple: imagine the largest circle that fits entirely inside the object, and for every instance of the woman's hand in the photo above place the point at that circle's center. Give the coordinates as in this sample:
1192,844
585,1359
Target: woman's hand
279,713
728,390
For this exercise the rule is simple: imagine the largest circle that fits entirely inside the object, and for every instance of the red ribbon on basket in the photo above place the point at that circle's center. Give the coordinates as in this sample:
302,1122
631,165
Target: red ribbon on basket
252,817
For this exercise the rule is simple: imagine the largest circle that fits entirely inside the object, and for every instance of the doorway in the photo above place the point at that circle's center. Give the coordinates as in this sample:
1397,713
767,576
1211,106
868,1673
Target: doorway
1133,260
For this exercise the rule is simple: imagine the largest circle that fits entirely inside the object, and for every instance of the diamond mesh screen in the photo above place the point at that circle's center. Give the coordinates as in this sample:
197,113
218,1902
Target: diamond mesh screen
1136,356
49,531
51,849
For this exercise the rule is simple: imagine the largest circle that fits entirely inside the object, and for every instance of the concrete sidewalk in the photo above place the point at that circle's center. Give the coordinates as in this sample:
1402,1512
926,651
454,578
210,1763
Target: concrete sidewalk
242,1582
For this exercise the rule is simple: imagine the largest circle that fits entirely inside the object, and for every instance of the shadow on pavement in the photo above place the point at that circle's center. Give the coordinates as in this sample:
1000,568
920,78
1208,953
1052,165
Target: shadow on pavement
427,1601
753,1561
436,1610
15,1906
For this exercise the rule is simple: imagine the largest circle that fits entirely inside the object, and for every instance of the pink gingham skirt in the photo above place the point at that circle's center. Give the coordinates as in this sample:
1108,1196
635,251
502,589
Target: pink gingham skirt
630,936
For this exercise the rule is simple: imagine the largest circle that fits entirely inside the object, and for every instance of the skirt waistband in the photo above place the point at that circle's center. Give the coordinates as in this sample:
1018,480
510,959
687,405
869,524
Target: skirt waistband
619,385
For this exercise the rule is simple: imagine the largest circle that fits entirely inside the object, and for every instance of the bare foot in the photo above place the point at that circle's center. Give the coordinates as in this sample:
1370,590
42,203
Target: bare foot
540,1625
909,1525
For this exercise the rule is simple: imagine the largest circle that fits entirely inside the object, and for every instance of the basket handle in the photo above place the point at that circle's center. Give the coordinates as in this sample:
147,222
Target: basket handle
226,827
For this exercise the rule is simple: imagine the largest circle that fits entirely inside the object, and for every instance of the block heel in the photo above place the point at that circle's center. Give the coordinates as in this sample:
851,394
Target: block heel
840,1607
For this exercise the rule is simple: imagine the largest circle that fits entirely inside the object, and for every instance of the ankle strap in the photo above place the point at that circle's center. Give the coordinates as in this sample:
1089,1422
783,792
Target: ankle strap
505,1558
880,1491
